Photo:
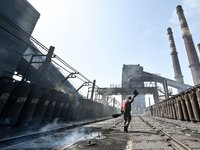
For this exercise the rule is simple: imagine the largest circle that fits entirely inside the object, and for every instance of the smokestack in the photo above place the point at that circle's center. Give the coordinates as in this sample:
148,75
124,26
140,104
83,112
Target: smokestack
191,52
177,69
199,47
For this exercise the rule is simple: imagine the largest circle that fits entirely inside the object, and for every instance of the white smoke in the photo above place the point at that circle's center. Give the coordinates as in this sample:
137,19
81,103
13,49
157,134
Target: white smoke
50,126
60,140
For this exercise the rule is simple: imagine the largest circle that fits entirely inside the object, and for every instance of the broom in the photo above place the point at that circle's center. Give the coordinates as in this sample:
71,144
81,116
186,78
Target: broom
117,115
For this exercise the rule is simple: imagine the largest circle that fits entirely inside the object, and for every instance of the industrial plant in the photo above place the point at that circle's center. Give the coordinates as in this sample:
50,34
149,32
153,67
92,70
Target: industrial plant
35,87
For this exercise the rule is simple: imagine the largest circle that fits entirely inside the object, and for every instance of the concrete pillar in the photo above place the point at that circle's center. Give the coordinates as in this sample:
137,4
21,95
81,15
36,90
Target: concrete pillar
176,65
190,48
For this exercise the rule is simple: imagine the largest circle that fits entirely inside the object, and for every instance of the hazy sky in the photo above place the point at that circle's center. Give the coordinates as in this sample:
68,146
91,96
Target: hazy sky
97,37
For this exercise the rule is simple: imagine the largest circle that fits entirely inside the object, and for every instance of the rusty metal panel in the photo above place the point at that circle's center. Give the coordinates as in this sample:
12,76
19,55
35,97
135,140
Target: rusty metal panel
194,103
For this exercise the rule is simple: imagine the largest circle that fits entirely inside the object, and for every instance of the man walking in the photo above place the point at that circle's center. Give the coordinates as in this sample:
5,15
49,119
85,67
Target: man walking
126,109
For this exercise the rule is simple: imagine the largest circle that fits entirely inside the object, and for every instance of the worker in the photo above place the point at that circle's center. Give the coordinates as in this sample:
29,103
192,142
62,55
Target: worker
126,108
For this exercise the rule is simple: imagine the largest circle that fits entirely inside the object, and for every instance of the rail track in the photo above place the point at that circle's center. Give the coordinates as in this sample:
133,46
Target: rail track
39,136
145,132
171,132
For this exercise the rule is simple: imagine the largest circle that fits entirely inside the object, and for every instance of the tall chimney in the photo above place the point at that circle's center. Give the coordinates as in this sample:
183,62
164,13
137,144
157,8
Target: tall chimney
199,47
177,69
191,52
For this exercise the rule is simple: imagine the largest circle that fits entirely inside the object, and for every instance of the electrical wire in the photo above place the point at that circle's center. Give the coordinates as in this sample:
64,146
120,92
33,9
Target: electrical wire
41,45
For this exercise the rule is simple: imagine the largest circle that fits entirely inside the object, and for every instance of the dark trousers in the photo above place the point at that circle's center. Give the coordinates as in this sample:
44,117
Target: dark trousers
127,119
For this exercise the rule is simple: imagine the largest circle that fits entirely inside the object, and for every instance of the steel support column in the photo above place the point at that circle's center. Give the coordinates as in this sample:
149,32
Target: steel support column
47,62
166,89
93,89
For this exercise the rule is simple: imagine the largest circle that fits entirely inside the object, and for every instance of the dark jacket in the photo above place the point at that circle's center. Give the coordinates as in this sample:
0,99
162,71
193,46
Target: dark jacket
128,104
